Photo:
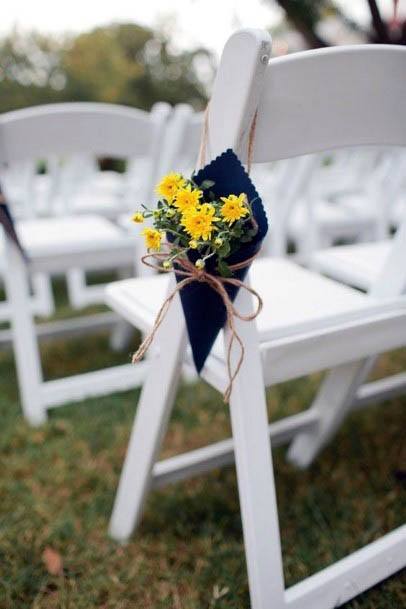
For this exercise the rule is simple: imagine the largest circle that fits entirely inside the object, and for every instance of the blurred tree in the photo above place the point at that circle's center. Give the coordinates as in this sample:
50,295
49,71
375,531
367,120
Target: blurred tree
30,71
306,15
120,63
97,67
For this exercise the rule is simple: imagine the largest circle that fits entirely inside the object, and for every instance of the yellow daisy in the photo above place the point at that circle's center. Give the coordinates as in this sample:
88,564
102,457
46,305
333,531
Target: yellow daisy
169,186
138,217
186,198
199,222
234,208
152,238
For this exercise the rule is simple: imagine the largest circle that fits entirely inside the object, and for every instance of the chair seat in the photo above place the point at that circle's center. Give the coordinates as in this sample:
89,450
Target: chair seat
70,234
88,241
340,219
104,204
357,265
301,308
293,297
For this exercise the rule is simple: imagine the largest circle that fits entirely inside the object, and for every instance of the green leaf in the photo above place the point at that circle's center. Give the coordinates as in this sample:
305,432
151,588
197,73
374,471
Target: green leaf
224,250
223,268
206,184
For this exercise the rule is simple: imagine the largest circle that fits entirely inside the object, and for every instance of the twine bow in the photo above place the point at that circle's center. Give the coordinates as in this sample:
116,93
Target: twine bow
186,269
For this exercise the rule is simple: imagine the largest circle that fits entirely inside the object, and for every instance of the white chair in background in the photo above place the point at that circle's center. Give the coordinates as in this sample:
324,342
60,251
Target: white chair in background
57,244
85,189
397,209
306,102
361,264
178,152
314,205
282,193
88,189
325,214
181,145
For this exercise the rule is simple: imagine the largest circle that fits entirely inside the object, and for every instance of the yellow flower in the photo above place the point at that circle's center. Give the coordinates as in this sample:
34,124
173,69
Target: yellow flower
193,244
199,222
169,186
218,242
152,238
167,264
234,208
138,218
186,198
199,264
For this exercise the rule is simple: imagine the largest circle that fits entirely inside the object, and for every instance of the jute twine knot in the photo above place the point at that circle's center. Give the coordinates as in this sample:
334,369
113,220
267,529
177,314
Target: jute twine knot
187,270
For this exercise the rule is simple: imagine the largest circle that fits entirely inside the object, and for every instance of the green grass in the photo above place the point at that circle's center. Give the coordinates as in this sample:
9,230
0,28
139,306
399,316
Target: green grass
57,486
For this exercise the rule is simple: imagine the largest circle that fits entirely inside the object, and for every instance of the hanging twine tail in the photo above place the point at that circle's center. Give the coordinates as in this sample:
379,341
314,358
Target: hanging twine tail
191,273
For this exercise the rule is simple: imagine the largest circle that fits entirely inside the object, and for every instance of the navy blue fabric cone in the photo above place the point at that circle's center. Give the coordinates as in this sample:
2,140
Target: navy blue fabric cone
203,308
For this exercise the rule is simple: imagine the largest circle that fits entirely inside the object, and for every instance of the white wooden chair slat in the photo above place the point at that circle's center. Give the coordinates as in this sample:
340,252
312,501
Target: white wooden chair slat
78,127
340,87
295,116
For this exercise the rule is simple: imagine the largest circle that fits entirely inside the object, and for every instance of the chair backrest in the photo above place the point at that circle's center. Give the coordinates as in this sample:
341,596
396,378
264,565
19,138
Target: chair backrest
82,129
69,128
308,102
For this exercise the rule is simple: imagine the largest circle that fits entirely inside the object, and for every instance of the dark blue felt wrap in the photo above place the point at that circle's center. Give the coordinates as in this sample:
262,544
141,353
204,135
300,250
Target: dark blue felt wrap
203,308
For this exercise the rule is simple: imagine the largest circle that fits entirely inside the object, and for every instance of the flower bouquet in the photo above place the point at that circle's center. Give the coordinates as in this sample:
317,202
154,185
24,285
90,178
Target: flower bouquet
207,229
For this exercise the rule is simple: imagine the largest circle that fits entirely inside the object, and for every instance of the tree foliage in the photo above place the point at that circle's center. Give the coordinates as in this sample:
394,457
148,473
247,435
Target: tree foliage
306,15
119,63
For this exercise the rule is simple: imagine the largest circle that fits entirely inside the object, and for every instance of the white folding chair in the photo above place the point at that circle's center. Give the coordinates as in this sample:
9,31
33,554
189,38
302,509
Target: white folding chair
313,206
360,265
113,196
181,144
325,214
57,244
306,102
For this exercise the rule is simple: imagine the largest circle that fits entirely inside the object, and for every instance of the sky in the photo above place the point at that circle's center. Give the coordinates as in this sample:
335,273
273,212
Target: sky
195,22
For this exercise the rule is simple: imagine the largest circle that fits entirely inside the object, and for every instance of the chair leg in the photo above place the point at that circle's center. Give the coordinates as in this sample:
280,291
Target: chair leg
153,412
123,331
26,351
256,483
76,284
333,402
43,299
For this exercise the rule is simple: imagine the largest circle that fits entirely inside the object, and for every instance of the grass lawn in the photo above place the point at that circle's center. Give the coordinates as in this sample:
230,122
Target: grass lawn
57,486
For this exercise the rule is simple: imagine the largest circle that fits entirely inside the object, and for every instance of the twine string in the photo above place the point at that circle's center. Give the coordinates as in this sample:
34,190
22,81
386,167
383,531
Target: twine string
205,139
187,270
